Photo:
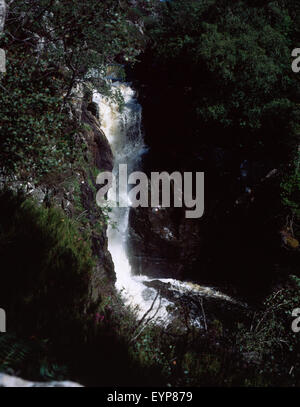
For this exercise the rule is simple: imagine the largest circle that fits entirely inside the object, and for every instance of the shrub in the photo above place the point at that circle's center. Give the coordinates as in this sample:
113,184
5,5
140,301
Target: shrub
291,188
36,137
270,342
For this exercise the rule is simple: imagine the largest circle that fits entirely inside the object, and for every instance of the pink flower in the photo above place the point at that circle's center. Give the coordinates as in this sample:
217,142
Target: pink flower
99,317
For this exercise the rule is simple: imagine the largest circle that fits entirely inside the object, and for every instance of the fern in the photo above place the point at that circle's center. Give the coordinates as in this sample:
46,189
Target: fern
13,352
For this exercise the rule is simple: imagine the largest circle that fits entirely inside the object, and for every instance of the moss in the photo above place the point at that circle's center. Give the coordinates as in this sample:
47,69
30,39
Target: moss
50,263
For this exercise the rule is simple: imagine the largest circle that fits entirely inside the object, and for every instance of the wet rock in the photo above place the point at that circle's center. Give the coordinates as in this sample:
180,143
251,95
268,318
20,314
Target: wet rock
39,194
201,305
288,239
61,190
94,109
163,243
76,106
104,267
97,142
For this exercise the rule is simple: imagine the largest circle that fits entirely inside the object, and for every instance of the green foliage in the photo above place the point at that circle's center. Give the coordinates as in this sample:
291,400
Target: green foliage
52,47
77,35
264,351
291,188
270,341
12,352
237,73
29,357
49,263
35,136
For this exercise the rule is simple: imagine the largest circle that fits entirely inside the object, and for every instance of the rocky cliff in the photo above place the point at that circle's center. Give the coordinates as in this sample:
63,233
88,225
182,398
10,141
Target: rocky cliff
59,302
74,191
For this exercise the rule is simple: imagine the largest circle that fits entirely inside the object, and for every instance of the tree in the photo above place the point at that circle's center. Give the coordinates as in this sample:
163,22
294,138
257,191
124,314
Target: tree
237,57
80,36
52,46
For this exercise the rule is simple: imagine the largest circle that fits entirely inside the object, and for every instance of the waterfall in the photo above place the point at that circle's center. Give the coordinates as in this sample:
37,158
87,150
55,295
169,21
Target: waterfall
123,131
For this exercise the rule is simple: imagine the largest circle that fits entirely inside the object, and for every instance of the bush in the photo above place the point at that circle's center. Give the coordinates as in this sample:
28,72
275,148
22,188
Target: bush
36,137
29,358
290,188
269,343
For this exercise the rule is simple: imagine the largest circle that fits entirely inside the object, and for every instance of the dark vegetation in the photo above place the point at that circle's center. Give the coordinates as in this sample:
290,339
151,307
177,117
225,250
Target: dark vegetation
223,94
216,86
53,47
56,333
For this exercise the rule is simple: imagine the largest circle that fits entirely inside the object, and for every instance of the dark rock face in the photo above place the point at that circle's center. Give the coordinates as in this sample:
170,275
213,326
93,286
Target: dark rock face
76,297
94,109
97,154
104,267
96,141
237,242
162,243
78,188
228,247
101,154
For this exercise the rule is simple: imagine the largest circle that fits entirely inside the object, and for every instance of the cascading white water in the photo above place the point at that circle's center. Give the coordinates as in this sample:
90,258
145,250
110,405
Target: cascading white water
123,131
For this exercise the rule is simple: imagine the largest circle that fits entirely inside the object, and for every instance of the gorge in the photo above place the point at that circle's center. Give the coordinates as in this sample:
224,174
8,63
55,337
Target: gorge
124,132
199,290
